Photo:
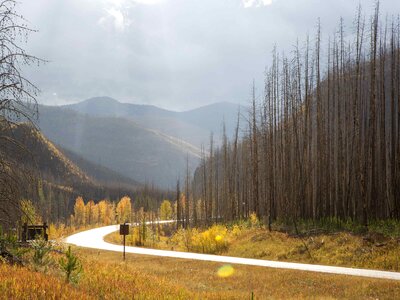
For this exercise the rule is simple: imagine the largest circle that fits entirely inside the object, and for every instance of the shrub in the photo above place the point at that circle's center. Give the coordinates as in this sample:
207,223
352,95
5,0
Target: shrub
254,221
9,249
213,240
71,266
41,249
236,230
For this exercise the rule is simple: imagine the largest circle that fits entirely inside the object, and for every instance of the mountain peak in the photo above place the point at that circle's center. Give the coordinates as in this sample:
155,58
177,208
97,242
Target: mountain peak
100,100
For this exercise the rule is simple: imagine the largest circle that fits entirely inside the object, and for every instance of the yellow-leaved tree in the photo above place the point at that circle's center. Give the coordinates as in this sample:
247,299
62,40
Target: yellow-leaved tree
79,211
106,212
95,214
29,214
102,212
124,210
166,210
89,212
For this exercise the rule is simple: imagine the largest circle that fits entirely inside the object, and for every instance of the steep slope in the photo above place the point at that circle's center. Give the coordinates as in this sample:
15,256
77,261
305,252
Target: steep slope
102,175
58,165
40,154
34,168
119,144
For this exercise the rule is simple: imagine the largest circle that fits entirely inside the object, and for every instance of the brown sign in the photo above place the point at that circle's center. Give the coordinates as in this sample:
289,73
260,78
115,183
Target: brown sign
124,229
32,232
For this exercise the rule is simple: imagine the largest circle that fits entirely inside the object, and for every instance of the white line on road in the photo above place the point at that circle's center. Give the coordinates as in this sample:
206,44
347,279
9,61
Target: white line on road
94,238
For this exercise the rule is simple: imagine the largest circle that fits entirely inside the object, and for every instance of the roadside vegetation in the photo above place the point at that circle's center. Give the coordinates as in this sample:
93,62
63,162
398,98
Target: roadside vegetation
330,243
51,270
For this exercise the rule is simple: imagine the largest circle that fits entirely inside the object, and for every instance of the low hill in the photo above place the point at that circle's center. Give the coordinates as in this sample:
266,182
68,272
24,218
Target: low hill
145,155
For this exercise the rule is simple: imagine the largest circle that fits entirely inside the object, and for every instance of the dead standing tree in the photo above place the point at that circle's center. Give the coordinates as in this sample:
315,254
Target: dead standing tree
327,144
17,103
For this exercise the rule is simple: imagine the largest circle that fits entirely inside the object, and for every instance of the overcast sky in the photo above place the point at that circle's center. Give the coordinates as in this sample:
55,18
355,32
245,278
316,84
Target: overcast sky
177,54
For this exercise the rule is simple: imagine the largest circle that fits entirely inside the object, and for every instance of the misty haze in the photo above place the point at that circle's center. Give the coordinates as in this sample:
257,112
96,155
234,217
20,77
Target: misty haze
183,149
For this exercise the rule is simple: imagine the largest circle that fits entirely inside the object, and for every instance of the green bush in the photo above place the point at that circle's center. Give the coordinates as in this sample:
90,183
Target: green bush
41,249
9,245
71,266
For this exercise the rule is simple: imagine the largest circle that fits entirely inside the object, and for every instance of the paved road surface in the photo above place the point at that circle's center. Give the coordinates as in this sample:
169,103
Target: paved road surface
94,238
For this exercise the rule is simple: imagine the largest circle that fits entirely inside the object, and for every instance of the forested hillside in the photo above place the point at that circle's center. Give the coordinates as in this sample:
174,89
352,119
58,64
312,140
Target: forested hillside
324,142
53,178
102,175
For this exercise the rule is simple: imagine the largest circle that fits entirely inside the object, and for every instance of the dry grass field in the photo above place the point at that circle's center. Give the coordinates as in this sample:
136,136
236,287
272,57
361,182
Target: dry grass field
106,276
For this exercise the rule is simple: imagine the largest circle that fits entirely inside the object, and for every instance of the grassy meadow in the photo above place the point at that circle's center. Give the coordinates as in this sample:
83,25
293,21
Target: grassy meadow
106,276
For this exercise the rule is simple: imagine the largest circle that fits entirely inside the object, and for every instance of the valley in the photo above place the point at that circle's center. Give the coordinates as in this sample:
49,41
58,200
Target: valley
228,167
126,138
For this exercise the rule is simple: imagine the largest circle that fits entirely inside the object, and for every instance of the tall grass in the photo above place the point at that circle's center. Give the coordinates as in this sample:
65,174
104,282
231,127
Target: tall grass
143,277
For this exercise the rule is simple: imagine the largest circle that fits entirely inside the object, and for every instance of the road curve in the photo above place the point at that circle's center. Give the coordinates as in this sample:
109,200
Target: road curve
94,238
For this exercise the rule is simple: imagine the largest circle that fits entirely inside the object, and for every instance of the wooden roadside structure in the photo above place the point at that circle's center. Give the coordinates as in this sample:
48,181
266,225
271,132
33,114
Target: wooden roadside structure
31,232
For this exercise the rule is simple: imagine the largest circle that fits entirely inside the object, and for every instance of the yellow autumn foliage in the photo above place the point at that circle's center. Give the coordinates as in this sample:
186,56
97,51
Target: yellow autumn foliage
213,240
124,210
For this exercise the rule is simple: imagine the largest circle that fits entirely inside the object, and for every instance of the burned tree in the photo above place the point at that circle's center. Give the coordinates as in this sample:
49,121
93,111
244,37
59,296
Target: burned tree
326,145
17,103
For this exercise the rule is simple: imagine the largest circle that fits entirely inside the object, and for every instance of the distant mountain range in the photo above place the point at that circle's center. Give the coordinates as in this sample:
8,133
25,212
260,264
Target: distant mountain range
141,142
193,126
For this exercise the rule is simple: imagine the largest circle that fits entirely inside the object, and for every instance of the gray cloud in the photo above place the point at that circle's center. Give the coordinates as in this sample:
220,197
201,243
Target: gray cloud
177,54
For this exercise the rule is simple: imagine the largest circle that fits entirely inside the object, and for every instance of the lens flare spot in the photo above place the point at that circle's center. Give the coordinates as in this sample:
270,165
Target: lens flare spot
218,238
225,271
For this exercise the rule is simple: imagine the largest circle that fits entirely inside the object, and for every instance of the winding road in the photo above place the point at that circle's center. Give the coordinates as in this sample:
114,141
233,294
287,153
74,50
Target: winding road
94,238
